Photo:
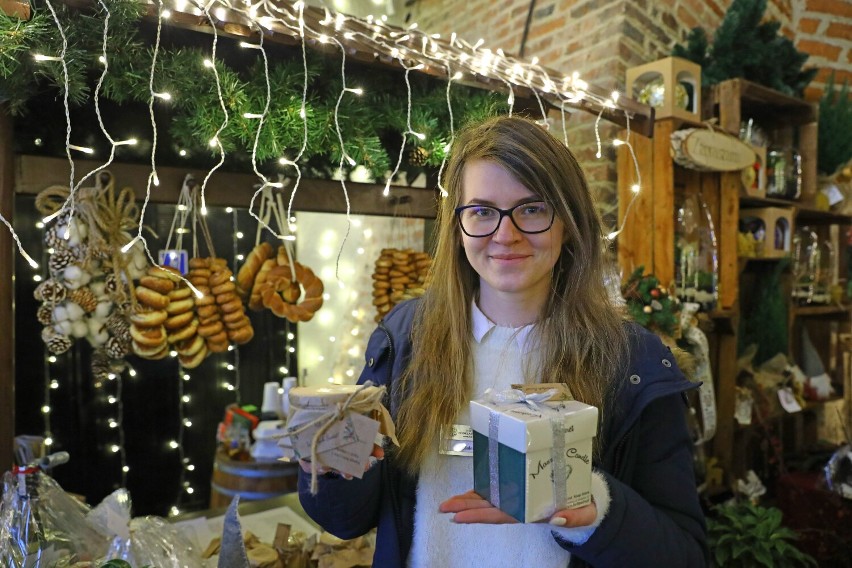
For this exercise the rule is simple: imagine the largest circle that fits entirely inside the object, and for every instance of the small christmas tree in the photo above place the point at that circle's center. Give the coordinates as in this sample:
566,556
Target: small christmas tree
743,46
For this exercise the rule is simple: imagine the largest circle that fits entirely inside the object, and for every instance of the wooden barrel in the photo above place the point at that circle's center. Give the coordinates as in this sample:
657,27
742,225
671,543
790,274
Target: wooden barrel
251,480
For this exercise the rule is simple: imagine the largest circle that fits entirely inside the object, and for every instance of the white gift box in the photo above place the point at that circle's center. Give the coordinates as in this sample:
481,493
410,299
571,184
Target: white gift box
531,460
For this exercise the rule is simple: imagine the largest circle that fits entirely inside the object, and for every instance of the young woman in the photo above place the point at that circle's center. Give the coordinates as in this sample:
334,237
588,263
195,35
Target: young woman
517,296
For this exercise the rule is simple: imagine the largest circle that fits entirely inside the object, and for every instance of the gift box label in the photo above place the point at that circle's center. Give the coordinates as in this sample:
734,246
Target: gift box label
537,459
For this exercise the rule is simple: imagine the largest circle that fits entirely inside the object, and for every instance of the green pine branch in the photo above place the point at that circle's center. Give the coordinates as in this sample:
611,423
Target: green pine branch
371,124
743,46
834,146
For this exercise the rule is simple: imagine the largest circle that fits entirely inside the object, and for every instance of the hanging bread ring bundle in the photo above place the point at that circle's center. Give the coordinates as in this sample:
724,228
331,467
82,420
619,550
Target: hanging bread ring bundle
399,275
153,306
273,279
287,288
88,293
173,318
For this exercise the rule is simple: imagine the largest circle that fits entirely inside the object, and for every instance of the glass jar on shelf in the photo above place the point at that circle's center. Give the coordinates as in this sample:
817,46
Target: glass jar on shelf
812,268
696,253
783,172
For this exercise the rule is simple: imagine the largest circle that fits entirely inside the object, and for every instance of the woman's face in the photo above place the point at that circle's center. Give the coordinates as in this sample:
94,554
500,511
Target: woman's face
511,264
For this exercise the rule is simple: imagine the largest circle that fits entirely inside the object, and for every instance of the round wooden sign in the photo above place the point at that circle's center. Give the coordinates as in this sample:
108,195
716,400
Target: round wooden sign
710,150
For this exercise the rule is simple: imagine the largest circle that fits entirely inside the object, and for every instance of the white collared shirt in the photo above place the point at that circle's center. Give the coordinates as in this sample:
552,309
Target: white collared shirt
483,325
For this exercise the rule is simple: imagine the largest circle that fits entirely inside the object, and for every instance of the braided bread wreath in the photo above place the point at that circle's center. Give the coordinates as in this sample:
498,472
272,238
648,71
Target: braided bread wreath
280,293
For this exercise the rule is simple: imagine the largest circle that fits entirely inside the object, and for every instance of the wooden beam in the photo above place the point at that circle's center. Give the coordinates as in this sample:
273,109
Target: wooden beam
7,275
729,217
663,200
35,173
634,246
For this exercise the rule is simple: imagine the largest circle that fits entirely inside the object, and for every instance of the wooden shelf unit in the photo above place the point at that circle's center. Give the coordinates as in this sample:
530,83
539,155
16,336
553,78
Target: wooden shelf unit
648,239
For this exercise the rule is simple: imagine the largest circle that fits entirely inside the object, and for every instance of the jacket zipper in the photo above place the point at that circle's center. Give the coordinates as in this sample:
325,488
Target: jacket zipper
391,394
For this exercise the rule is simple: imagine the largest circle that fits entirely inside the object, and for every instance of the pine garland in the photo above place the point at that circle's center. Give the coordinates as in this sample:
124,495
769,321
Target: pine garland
743,46
371,124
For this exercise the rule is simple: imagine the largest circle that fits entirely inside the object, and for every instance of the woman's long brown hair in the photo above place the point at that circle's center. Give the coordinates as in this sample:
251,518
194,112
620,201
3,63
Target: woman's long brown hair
580,332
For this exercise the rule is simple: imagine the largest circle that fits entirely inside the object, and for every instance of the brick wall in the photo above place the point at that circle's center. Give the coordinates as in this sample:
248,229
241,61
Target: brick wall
602,38
824,30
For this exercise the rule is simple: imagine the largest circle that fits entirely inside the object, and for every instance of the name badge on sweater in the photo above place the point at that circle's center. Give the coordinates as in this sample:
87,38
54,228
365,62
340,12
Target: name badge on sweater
456,440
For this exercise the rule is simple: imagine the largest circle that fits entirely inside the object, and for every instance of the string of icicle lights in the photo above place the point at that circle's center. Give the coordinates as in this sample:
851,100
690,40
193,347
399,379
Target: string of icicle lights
410,48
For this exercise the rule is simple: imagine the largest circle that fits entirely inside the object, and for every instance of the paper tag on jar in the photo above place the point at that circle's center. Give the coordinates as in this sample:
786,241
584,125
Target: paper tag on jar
346,446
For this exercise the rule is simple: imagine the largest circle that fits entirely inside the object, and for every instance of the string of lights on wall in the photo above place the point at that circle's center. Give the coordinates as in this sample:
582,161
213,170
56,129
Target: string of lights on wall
117,423
177,444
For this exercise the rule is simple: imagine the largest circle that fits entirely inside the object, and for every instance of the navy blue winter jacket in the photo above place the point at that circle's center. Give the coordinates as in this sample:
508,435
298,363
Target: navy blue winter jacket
654,518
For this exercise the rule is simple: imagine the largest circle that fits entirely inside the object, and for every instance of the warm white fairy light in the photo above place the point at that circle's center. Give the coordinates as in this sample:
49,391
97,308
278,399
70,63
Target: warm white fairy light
153,178
300,29
635,188
83,149
450,78
408,130
598,154
214,142
122,452
413,45
66,81
17,239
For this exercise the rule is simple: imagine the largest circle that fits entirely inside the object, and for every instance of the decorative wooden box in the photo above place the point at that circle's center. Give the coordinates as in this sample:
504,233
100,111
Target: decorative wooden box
773,226
674,72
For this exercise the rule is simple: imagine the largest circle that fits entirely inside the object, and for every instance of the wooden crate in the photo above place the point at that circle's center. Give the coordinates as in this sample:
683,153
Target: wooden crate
789,121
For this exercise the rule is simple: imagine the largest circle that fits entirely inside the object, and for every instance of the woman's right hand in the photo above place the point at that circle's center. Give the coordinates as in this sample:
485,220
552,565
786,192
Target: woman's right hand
376,456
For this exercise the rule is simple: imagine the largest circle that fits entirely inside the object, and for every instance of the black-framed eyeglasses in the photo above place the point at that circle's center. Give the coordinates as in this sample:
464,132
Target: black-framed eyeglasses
484,220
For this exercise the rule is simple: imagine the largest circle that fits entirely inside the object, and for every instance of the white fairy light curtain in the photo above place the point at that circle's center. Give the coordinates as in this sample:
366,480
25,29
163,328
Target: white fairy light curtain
342,38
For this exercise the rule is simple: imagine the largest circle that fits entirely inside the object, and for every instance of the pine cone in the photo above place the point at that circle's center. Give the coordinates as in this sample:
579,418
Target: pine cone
53,240
418,156
50,291
117,324
56,342
116,348
44,315
100,366
60,258
85,297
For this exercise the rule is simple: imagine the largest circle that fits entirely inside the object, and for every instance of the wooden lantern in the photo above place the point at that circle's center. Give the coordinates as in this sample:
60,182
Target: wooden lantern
777,225
673,71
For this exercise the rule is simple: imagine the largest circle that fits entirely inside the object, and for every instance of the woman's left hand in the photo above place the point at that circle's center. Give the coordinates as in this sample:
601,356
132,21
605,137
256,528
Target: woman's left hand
471,508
